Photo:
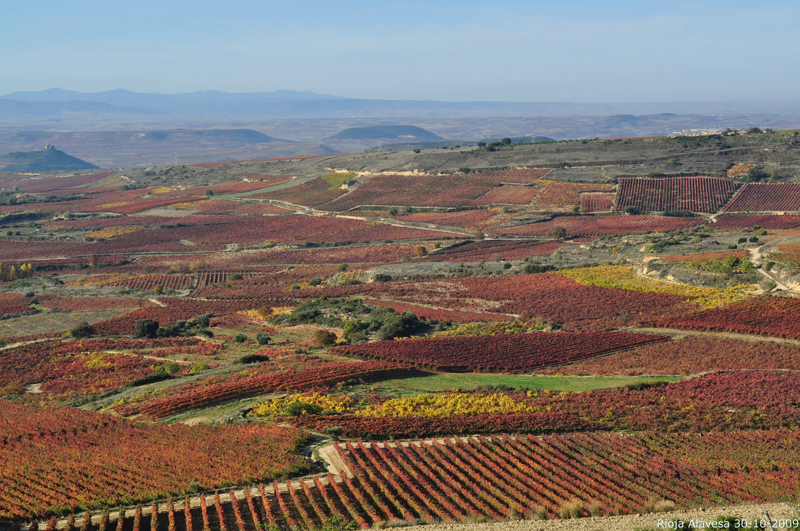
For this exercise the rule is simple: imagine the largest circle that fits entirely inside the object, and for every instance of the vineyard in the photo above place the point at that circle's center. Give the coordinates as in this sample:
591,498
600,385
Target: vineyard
465,219
601,225
508,195
498,477
769,316
765,197
597,201
438,345
769,222
687,356
693,194
494,250
503,353
561,197
43,448
442,190
266,378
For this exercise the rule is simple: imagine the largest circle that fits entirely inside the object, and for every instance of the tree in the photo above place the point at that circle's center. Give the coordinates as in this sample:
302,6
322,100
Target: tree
146,328
506,141
81,330
420,251
558,233
323,338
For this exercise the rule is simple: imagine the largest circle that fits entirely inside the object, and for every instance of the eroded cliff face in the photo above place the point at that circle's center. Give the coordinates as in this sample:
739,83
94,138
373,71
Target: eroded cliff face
681,275
787,277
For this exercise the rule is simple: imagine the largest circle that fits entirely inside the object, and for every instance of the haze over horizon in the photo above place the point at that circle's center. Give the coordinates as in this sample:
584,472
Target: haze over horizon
506,51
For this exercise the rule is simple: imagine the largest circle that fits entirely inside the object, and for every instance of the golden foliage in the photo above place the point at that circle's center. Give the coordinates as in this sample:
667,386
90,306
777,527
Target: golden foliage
110,232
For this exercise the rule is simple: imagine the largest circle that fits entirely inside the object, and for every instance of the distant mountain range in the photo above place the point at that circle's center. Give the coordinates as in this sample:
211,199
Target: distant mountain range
62,104
387,132
47,159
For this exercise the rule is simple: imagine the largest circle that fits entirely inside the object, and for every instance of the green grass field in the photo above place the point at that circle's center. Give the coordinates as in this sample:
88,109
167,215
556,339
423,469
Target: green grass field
335,180
440,382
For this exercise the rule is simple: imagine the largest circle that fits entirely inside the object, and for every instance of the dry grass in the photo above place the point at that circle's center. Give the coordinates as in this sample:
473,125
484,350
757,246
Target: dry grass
571,509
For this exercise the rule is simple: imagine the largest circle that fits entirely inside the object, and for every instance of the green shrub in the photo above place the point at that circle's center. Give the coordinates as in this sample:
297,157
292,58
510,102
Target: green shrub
263,338
252,358
146,328
198,367
240,338
81,330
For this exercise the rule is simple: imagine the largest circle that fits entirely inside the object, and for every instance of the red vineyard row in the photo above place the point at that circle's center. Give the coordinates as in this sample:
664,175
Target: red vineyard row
266,378
597,201
500,477
601,225
687,356
770,222
770,316
761,197
83,367
422,190
695,194
509,195
563,196
67,458
498,353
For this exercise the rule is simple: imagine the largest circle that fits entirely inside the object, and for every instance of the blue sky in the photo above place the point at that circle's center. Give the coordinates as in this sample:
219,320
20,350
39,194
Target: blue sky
502,50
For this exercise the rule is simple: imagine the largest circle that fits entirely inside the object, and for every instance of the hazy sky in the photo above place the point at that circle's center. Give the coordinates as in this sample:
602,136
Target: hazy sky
504,50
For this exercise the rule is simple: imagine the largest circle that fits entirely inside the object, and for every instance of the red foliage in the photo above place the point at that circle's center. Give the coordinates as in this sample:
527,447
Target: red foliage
765,197
560,196
355,254
148,282
493,250
175,310
92,303
265,378
423,190
468,218
497,353
552,297
235,186
48,184
695,194
220,206
437,313
42,450
499,476
410,427
717,401
771,316
602,225
770,221
690,355
17,310
597,201
68,368
311,193
509,195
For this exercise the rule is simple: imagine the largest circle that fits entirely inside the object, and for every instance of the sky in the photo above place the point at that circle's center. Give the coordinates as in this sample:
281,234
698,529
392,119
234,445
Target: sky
584,51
